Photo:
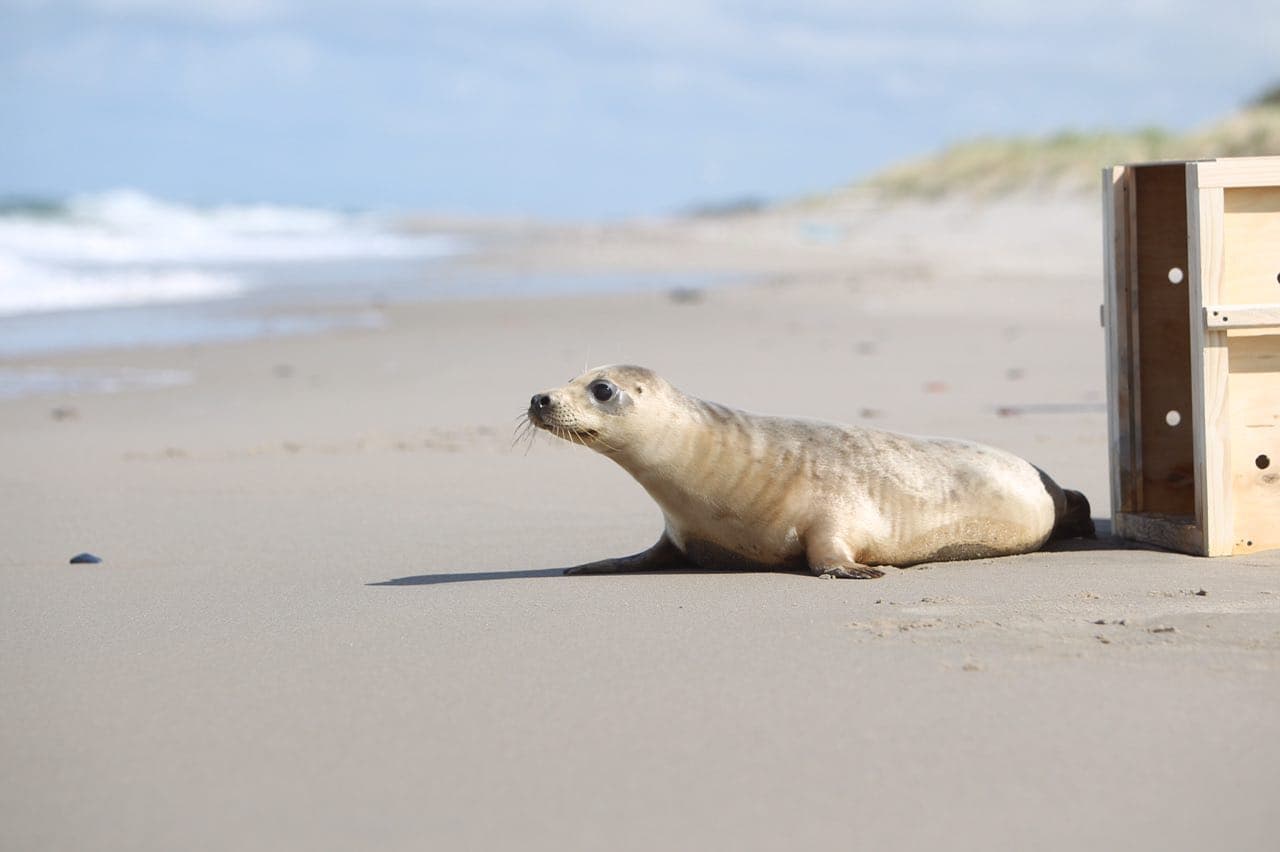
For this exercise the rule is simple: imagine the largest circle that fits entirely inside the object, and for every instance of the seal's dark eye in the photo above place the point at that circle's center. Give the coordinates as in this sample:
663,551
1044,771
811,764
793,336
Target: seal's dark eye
602,391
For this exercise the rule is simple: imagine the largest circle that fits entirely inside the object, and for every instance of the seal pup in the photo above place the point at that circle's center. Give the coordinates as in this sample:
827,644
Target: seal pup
749,491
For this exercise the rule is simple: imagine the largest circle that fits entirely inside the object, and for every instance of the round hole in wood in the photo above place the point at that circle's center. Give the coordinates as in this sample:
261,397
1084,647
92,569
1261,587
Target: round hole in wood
1262,462
1173,418
1175,275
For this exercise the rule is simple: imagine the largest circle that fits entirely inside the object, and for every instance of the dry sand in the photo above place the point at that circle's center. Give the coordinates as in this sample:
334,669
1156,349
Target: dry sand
330,615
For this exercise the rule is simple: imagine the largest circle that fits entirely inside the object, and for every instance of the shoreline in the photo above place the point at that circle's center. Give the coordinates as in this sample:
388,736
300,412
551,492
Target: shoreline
858,244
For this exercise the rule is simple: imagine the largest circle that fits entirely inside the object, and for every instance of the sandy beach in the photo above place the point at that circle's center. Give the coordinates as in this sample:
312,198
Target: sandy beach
330,613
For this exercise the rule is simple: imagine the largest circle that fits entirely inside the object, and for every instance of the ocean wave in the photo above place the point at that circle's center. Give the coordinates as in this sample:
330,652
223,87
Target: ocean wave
38,288
130,227
128,248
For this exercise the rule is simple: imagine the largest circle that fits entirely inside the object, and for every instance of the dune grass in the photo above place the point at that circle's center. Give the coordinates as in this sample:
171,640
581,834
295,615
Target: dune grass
1070,162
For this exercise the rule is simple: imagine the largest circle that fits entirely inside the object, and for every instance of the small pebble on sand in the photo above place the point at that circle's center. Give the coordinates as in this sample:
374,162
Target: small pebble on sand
685,295
85,559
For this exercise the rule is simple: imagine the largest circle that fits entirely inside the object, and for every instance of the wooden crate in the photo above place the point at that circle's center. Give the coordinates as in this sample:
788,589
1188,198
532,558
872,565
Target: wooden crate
1192,315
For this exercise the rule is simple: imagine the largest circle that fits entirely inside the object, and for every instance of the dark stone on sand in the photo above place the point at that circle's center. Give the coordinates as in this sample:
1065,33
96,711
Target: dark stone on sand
85,559
685,295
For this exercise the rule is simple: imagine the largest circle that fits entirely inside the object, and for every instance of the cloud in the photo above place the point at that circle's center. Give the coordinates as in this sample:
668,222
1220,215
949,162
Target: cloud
224,11
814,34
141,62
648,98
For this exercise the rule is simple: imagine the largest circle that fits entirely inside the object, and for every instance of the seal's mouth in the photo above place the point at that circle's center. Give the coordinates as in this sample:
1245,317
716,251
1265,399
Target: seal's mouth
573,434
567,433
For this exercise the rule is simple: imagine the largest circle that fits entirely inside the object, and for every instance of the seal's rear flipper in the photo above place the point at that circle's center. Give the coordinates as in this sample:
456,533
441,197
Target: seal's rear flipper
1077,520
828,556
847,572
661,556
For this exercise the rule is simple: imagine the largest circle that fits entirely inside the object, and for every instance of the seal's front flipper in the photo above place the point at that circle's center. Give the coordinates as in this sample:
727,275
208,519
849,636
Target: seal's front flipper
846,572
661,556
829,555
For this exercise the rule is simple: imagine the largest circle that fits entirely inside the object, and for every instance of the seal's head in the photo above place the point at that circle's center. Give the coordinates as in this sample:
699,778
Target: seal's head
606,408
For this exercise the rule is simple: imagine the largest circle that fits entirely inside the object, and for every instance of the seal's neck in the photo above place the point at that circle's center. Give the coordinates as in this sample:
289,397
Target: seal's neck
685,452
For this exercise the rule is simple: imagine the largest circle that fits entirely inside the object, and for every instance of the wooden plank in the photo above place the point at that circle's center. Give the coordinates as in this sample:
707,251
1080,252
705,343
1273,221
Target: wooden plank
1110,177
1209,369
1253,399
1173,532
1242,316
1161,341
1115,312
1238,171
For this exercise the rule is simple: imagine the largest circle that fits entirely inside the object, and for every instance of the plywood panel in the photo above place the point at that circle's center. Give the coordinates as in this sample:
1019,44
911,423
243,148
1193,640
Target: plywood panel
1159,244
1254,404
1251,240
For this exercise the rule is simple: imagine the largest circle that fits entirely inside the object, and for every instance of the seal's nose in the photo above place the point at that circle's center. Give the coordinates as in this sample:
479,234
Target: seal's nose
540,401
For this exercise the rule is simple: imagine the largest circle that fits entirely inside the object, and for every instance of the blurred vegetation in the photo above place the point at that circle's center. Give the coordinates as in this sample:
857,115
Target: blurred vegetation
1269,97
1071,162
728,207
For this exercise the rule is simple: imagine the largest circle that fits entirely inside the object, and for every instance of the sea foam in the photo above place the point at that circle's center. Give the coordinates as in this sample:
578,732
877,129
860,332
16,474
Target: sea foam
28,287
128,248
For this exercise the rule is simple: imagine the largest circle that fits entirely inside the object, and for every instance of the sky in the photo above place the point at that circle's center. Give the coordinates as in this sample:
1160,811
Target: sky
578,109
